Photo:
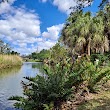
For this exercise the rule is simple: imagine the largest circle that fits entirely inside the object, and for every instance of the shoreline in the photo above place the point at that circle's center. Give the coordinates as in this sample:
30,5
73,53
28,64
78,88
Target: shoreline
10,61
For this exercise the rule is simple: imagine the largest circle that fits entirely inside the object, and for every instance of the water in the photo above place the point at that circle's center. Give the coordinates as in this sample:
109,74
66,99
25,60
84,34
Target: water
10,82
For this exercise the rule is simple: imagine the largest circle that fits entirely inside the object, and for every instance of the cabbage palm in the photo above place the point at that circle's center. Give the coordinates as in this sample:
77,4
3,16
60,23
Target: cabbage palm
77,33
85,34
100,42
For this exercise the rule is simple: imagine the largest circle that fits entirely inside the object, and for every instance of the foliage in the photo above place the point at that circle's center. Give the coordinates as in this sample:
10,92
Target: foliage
59,84
88,34
42,90
103,59
4,48
58,53
43,54
14,53
7,61
93,74
84,35
55,54
49,107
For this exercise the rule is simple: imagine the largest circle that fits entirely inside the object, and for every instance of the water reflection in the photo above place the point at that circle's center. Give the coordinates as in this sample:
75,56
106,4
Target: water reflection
10,82
9,71
39,66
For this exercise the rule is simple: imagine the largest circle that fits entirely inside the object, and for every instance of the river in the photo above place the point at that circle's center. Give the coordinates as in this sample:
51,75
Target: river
10,82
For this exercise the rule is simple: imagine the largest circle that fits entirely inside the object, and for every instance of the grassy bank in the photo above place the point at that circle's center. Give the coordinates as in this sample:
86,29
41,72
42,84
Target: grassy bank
8,61
99,101
31,60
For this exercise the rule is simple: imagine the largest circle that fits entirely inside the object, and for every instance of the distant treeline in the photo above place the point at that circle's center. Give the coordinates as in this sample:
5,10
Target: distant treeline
43,54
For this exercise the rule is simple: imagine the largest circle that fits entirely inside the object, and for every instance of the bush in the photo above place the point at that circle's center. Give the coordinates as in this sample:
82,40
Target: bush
91,74
59,84
103,59
44,90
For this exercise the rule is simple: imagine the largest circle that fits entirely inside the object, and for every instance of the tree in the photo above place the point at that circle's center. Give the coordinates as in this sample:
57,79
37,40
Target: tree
84,33
4,47
34,55
43,54
58,53
14,53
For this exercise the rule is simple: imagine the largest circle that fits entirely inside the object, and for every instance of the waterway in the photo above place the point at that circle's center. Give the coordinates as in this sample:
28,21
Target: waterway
10,82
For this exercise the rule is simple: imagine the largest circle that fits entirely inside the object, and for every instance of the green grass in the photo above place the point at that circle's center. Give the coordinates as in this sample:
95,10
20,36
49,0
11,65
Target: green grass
7,61
32,60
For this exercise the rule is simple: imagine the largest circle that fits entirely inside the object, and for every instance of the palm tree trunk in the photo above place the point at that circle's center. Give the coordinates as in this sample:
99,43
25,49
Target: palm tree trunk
88,48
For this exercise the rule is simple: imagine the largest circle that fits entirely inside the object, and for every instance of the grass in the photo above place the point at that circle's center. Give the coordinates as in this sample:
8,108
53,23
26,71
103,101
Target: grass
32,60
7,61
100,101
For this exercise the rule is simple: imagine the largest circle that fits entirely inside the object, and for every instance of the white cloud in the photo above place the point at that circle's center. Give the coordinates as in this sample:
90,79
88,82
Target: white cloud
64,5
21,28
27,50
46,44
53,32
6,6
33,48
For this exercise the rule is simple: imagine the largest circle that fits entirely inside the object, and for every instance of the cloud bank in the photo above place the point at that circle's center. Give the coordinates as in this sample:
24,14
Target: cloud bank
63,5
21,28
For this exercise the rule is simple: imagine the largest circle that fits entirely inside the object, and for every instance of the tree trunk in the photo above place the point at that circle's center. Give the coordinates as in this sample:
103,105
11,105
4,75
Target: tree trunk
88,48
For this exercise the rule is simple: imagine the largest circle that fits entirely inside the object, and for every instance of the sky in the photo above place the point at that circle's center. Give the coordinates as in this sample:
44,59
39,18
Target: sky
31,25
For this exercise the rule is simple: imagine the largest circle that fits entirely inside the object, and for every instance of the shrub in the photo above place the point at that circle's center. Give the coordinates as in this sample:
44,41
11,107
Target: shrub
59,84
92,74
43,90
102,58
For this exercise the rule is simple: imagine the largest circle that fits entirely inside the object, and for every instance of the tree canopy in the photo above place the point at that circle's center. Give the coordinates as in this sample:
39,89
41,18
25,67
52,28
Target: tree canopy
4,47
85,33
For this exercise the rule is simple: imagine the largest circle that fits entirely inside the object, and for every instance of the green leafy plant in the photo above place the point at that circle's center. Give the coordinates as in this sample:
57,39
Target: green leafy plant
42,90
49,106
59,84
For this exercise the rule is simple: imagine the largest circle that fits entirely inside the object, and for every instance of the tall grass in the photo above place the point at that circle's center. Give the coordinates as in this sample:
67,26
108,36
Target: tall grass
7,61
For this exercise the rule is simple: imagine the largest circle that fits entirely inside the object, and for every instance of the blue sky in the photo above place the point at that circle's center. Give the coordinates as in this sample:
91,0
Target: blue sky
30,24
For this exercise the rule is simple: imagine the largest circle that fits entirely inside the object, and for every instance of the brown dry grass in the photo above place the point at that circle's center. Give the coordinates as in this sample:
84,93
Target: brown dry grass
7,61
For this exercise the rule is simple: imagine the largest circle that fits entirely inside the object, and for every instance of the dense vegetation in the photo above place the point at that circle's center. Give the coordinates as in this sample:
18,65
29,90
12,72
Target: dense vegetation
56,53
85,34
7,61
60,84
6,49
40,56
78,64
8,58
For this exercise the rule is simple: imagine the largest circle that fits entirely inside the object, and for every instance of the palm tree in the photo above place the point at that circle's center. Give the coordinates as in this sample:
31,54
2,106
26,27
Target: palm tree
85,34
70,32
100,41
77,34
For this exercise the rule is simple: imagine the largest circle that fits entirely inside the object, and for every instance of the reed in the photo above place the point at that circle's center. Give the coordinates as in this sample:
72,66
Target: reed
7,61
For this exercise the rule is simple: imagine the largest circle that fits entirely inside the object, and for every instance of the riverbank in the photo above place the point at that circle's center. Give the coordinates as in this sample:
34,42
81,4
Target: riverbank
91,101
8,61
31,60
